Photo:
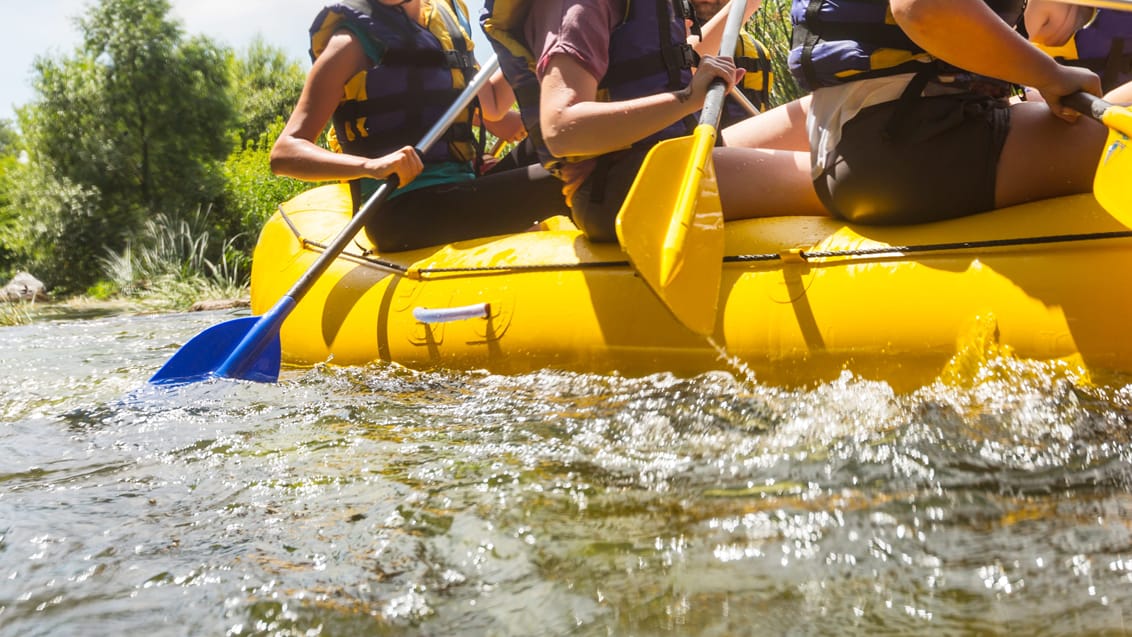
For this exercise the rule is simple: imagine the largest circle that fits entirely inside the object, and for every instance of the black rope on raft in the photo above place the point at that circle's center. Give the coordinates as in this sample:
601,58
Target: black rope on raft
398,268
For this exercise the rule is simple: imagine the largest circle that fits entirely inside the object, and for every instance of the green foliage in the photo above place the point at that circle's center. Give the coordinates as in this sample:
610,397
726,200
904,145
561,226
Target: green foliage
56,242
173,263
133,123
771,26
265,86
252,192
166,103
10,143
15,313
9,220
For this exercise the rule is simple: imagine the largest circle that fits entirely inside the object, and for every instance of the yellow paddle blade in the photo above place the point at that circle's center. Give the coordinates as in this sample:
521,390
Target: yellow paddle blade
1114,173
671,227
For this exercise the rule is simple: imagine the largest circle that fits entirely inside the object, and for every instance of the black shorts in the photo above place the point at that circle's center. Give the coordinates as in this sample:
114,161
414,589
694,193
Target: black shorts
917,160
595,204
502,202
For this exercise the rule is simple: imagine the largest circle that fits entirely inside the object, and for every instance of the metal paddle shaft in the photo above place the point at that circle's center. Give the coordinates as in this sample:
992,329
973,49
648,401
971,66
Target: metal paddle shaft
256,351
713,103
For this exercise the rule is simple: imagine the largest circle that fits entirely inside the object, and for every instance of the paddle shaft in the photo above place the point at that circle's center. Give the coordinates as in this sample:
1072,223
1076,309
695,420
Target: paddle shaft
713,103
257,339
747,105
676,236
1086,104
359,220
1115,117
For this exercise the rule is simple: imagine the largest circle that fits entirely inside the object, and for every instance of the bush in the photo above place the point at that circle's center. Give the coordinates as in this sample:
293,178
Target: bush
251,191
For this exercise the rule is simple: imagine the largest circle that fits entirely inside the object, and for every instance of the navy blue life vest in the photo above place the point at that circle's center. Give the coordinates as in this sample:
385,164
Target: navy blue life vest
839,41
415,75
648,54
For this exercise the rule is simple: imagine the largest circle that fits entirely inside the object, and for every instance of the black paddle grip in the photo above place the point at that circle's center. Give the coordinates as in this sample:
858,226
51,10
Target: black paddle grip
1086,104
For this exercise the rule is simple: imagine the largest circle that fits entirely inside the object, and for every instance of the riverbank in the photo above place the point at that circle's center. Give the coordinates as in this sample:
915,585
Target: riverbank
25,312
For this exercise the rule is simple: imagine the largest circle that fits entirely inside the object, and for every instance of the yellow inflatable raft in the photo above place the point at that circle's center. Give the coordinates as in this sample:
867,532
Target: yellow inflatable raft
802,298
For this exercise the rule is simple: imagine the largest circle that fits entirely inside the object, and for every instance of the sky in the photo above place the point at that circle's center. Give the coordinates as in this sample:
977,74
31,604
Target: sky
47,28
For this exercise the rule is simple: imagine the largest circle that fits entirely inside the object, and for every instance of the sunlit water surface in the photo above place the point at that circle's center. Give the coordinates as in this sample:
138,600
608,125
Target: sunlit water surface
382,501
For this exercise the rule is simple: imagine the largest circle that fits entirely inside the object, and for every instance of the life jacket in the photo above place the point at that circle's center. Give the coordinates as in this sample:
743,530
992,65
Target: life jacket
839,41
416,73
752,55
648,54
1104,46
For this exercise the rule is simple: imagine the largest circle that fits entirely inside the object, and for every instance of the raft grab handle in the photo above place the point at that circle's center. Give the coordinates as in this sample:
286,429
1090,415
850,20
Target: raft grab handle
448,314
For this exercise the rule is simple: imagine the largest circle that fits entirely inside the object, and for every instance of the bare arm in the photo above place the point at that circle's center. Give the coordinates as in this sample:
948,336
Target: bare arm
1052,23
712,36
575,123
968,34
295,153
496,97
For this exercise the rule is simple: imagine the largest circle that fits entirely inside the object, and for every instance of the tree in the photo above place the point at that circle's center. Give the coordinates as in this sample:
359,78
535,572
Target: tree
9,162
137,119
265,86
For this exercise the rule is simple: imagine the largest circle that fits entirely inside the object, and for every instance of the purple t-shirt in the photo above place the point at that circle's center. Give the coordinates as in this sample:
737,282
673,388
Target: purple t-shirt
582,30
578,28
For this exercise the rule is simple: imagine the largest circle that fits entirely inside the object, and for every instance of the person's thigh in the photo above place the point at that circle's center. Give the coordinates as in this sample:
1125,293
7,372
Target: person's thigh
1045,156
502,203
782,127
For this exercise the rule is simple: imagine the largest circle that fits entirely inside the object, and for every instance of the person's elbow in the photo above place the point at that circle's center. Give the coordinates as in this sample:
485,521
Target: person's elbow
556,143
913,16
565,138
279,158
275,161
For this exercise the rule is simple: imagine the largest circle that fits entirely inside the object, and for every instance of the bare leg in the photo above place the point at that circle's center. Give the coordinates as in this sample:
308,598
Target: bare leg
765,183
782,127
1046,157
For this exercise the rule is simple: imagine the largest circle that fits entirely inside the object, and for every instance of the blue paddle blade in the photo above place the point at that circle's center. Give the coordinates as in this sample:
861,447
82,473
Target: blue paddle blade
206,353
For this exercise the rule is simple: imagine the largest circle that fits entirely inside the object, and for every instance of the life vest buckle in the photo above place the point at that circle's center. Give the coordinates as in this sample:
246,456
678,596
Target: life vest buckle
680,56
463,60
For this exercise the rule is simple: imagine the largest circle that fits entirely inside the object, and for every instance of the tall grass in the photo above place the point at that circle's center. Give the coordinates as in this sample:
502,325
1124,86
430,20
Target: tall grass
771,26
174,263
15,313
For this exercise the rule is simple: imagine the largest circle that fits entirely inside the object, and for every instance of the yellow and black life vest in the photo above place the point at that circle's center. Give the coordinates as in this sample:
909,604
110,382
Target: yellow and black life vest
417,71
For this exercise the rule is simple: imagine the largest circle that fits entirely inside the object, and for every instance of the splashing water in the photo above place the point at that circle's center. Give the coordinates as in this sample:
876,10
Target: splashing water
380,500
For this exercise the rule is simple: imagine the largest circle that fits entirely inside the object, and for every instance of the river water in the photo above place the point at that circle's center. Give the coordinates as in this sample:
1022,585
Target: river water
386,501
